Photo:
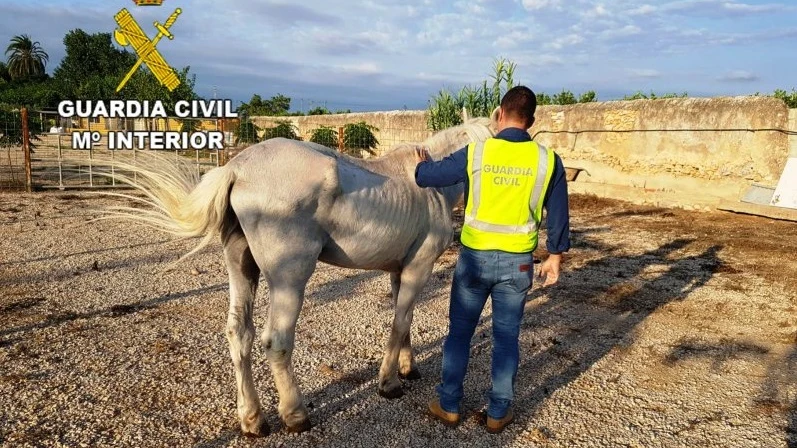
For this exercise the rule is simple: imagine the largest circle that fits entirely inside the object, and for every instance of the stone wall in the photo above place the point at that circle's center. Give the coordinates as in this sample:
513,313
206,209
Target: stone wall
690,152
393,127
793,128
695,150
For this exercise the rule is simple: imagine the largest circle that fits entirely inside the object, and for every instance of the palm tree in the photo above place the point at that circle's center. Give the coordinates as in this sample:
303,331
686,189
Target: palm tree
25,57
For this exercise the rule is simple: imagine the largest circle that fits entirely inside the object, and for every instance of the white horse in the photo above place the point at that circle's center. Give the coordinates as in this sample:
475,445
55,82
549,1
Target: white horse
281,205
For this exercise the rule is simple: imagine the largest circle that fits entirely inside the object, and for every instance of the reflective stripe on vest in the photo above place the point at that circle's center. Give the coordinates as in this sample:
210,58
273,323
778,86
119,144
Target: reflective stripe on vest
510,170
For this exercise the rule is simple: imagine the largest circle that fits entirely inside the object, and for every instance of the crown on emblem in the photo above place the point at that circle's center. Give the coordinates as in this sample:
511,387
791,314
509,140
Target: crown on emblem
148,2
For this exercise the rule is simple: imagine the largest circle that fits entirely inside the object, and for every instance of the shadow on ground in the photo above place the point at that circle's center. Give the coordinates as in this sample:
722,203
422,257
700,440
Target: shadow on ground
612,288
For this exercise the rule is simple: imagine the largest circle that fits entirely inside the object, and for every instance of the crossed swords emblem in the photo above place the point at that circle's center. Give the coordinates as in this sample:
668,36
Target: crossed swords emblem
130,33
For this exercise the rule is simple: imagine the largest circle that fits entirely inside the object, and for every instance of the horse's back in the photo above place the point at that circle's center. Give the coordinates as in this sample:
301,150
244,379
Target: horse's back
283,179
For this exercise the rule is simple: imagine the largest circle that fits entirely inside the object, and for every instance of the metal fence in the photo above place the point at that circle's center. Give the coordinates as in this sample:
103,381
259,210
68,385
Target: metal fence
37,151
12,155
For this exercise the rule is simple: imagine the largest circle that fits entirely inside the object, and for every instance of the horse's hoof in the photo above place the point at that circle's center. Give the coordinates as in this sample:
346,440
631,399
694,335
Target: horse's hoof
392,394
412,375
262,430
302,426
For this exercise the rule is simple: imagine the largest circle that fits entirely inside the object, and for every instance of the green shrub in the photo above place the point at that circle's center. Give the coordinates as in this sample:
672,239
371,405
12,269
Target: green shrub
639,95
326,136
11,128
564,97
284,128
359,137
790,98
246,132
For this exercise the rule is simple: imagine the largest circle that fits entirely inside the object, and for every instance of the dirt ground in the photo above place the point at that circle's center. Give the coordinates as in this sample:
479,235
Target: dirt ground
668,328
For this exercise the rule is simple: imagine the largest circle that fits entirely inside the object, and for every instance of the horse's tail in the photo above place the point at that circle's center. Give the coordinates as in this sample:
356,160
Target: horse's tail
177,201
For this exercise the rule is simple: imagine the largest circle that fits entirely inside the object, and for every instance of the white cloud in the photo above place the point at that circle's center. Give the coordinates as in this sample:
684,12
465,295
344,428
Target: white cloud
597,11
275,44
535,5
645,73
626,31
739,76
567,40
363,68
643,10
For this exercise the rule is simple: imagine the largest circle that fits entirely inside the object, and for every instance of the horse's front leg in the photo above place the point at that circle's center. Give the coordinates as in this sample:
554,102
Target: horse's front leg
412,280
406,367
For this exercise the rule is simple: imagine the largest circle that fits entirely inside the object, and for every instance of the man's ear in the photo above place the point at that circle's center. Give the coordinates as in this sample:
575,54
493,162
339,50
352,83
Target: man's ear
531,122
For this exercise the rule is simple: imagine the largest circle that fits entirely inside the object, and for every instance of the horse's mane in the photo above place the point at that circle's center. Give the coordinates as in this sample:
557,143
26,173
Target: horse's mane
449,140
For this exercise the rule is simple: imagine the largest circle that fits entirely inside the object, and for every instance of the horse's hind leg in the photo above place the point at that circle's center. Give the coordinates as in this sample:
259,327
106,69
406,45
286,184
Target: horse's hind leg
287,274
407,368
244,275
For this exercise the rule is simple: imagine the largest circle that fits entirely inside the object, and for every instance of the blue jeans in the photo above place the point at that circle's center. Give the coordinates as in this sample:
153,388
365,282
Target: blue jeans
479,274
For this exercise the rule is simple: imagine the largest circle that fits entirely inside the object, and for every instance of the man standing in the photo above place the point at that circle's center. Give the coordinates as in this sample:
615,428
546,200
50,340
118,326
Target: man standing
510,178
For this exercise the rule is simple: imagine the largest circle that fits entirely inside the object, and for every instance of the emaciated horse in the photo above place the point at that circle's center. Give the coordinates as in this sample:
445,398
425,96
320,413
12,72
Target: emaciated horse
280,206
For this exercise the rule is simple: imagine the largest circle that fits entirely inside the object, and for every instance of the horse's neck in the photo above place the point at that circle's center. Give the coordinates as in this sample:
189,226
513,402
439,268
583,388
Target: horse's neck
401,163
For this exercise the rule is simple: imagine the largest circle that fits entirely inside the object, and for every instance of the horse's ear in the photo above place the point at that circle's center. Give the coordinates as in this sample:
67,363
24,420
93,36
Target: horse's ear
465,115
494,118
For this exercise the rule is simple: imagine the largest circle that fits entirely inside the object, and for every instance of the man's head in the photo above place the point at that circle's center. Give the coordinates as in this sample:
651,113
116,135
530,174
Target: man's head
517,108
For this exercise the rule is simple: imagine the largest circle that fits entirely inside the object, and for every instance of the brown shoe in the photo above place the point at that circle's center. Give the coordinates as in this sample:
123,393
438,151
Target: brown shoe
447,418
495,426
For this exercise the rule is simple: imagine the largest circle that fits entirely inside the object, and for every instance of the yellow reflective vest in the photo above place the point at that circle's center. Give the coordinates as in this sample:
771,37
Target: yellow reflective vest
507,184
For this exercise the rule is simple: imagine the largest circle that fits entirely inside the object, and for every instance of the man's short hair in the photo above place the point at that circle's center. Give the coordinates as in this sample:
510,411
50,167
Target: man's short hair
520,103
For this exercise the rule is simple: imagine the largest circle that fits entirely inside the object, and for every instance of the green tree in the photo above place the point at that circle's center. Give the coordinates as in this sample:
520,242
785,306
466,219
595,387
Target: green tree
278,105
5,77
326,136
143,85
44,93
359,137
26,58
319,110
92,66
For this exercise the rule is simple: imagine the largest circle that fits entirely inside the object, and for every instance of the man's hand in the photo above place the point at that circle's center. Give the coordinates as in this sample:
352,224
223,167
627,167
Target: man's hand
549,270
421,154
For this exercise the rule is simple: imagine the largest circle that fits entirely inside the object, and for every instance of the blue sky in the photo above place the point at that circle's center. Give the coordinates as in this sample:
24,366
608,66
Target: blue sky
387,54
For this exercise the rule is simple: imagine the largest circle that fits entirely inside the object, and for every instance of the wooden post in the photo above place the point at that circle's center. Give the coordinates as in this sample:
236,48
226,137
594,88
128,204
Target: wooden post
340,139
26,150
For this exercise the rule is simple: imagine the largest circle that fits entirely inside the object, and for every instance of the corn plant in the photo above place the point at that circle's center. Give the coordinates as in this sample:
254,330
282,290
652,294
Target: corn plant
445,108
444,111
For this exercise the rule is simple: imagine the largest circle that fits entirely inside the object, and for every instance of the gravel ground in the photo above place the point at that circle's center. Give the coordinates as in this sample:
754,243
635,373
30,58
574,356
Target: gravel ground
669,328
